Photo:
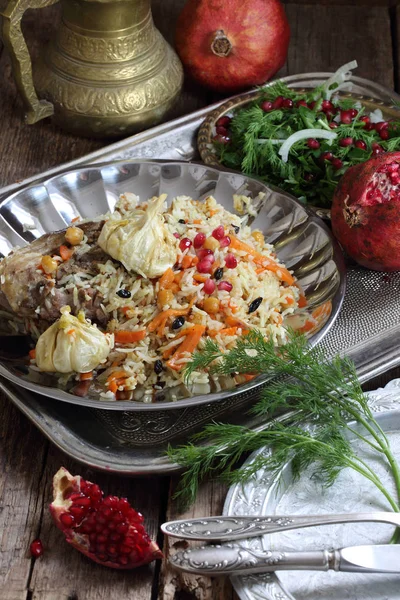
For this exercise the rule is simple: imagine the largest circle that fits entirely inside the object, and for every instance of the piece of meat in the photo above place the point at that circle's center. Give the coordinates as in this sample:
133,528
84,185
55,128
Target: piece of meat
24,287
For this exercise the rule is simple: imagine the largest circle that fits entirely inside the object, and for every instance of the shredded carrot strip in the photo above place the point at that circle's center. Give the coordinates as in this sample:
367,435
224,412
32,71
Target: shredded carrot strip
66,253
86,376
195,260
113,387
174,287
212,212
125,309
160,320
32,353
178,276
308,326
166,279
187,261
200,278
262,260
225,331
189,344
324,310
75,219
197,221
117,375
124,336
233,322
248,376
289,300
302,301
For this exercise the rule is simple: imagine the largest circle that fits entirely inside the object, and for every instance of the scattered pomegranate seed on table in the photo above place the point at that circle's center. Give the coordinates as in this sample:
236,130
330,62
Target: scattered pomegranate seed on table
36,548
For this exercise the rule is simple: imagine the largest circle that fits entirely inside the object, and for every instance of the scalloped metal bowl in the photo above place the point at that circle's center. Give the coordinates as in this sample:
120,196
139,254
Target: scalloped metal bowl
301,240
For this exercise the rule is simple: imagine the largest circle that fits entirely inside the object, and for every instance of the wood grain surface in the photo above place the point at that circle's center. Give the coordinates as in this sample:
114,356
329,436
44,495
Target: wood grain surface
325,34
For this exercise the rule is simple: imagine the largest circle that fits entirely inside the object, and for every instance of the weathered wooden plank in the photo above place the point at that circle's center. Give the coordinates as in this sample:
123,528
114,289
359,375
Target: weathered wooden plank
63,573
209,501
325,37
22,455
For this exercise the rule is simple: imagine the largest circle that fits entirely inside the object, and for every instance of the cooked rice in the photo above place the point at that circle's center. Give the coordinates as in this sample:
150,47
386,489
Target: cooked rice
249,281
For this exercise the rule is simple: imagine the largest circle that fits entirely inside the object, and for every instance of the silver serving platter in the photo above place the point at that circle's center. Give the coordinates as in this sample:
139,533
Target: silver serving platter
301,240
353,493
367,328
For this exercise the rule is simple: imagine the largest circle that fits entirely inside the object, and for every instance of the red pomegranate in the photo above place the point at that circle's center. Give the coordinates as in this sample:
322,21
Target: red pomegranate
106,529
230,45
366,212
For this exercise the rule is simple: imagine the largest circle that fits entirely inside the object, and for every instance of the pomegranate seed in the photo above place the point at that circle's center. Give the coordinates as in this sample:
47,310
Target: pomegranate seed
337,163
353,113
360,144
333,125
185,244
203,252
330,114
326,156
347,141
231,261
199,240
76,496
313,144
327,105
266,106
112,501
301,103
36,548
209,286
369,126
376,149
278,102
226,240
384,134
77,512
67,520
176,234
381,125
221,139
204,266
223,122
222,131
393,167
287,103
345,116
365,119
225,286
311,105
394,178
219,232
123,560
122,528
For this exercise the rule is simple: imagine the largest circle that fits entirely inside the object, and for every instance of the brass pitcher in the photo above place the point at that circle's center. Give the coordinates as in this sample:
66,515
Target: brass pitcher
108,72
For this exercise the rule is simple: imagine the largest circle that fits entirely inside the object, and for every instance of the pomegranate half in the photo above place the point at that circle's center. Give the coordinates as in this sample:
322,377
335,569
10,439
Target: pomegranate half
366,212
230,45
106,529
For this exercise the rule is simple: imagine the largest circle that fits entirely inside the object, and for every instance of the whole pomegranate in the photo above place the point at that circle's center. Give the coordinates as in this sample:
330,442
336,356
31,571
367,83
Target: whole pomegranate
106,529
366,212
230,45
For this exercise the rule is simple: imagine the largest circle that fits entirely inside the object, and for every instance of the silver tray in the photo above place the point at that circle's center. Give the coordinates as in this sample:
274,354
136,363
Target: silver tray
352,492
368,327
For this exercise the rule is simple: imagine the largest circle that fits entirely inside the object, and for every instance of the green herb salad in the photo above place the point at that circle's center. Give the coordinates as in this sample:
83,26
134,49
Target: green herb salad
301,141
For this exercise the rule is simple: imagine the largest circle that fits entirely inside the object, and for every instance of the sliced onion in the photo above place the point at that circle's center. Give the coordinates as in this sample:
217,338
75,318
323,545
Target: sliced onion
342,74
301,135
376,116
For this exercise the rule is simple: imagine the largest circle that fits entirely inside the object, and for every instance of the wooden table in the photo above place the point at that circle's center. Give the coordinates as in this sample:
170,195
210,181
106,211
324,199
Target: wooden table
325,34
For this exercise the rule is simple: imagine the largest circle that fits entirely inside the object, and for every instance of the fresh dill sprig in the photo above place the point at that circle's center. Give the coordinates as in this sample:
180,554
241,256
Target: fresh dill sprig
322,394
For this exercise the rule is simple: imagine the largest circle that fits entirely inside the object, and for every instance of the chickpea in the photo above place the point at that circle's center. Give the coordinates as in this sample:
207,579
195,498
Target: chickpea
211,244
211,305
48,264
164,297
258,237
74,235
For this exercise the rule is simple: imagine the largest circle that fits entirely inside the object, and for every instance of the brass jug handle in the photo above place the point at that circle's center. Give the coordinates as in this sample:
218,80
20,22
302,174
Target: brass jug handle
21,60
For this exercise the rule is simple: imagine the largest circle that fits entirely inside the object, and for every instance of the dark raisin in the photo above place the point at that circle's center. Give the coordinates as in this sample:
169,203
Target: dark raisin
124,293
182,221
236,228
179,321
255,304
158,367
219,273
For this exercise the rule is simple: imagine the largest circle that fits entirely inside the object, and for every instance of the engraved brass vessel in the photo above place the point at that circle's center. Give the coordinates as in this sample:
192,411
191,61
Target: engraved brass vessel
107,73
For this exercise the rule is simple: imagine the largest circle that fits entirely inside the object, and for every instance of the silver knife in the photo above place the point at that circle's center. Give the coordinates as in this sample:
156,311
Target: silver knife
232,559
211,529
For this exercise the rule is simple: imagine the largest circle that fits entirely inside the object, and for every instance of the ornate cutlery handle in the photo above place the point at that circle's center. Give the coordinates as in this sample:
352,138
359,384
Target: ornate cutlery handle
236,528
233,559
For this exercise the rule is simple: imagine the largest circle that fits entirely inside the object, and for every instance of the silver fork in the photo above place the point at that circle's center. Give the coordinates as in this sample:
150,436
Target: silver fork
236,528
